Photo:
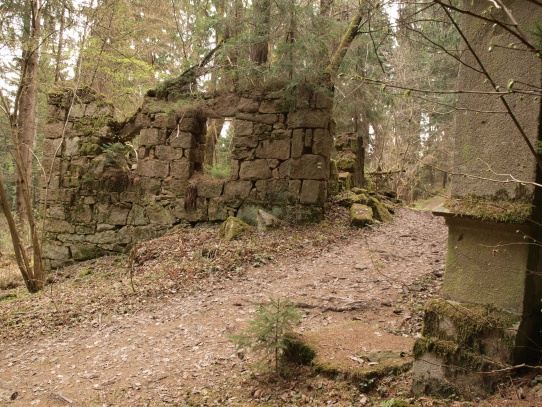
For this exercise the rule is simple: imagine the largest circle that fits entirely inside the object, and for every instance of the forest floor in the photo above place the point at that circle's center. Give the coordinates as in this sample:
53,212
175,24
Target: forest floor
154,328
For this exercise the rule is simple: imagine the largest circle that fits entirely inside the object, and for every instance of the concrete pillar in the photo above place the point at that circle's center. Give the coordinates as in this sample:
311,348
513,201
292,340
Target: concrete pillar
492,287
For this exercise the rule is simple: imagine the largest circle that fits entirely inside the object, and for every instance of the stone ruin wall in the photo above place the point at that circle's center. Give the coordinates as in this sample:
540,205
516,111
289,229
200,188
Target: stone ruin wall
97,204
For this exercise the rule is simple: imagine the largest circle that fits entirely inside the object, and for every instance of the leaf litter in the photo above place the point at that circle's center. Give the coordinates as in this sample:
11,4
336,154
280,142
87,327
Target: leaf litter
92,338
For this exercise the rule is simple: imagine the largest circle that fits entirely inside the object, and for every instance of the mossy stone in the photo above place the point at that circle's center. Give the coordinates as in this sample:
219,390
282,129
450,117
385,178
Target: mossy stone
380,211
361,215
233,228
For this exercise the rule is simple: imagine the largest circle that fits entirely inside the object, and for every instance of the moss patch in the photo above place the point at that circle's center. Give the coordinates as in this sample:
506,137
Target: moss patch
232,228
299,352
480,329
497,208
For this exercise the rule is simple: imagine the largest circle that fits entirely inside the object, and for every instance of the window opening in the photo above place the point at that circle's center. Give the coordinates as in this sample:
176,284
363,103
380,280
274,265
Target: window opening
218,148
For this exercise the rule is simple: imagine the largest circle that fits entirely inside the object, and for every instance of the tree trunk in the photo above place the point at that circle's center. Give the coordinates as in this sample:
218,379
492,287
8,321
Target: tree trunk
213,133
23,127
262,17
28,91
60,44
33,274
346,41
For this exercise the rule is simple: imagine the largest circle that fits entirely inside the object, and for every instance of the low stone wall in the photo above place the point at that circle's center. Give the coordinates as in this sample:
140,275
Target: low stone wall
113,184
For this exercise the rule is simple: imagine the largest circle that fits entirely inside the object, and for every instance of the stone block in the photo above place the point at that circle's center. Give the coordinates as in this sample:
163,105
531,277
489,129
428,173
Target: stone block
283,171
243,154
380,211
181,169
70,182
298,141
234,169
237,190
70,237
242,128
217,209
142,120
150,137
127,235
55,130
322,142
137,216
55,211
147,185
247,105
118,214
85,251
106,237
191,124
81,214
128,197
200,213
53,185
233,228
208,188
273,190
309,167
313,192
77,111
360,215
248,212
153,168
85,229
55,113
55,252
175,186
294,188
182,139
254,170
51,164
308,119
168,153
101,212
308,138
143,152
269,119
78,166
273,106
50,147
273,163
323,99
165,120
262,131
157,214
71,147
274,148
58,226
249,141
226,105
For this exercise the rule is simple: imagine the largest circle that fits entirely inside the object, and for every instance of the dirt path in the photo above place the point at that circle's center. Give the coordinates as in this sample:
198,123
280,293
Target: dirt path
178,347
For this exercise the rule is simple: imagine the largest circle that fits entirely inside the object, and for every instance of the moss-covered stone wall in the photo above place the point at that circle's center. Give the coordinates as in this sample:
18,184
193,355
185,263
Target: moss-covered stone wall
115,183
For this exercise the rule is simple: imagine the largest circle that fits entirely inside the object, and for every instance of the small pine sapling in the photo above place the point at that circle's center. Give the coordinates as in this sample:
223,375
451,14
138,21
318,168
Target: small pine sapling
269,332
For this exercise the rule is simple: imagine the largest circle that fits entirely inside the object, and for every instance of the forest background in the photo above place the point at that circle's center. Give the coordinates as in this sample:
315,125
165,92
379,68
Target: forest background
394,84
